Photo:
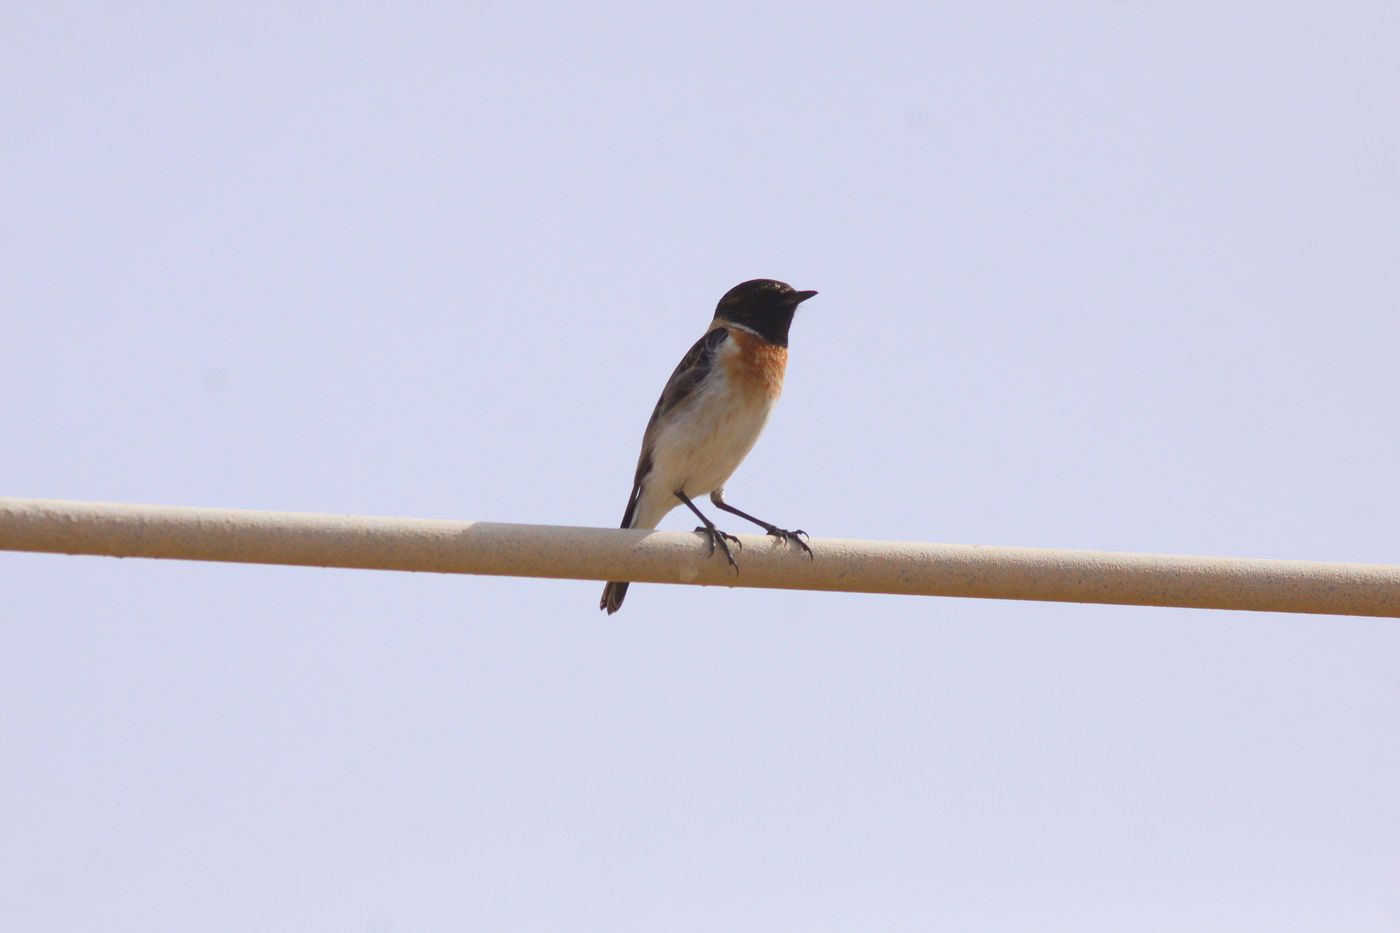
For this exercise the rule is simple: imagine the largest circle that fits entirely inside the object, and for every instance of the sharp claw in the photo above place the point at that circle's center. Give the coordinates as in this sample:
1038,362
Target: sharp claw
792,537
720,538
724,546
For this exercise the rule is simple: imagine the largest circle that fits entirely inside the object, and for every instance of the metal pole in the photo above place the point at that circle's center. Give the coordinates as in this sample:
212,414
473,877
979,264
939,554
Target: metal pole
436,546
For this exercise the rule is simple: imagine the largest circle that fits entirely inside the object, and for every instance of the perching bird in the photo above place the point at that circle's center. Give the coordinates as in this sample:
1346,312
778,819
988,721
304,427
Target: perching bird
710,414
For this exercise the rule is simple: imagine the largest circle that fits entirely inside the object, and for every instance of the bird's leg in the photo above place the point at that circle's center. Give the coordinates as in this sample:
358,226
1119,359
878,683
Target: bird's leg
792,537
716,536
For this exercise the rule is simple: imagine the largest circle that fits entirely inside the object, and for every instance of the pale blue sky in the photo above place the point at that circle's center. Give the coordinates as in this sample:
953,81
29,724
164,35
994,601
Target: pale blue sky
1115,275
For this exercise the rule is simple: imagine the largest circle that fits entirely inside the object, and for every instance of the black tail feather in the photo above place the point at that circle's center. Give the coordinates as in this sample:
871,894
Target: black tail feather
613,593
612,597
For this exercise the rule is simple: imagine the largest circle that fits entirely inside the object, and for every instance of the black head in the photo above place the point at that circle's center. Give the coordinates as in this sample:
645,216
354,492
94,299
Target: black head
764,306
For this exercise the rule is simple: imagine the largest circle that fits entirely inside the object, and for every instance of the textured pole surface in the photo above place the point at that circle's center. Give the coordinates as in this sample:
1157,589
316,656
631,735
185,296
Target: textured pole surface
244,536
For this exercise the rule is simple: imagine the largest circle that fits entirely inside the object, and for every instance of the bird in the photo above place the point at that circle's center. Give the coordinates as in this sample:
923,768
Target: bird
710,414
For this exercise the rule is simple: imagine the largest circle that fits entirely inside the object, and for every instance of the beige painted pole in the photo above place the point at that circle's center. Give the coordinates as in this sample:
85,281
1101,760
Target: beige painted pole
438,546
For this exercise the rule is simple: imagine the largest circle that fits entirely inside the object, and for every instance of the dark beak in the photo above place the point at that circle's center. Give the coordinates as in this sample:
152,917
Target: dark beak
799,297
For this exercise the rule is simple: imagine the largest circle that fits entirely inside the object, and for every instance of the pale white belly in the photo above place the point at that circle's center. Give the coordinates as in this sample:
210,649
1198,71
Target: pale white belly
698,447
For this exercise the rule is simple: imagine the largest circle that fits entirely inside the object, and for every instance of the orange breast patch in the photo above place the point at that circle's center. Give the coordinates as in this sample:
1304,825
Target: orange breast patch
758,366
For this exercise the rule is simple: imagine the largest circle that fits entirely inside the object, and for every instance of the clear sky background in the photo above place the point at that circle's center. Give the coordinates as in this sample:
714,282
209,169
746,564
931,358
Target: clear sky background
1111,275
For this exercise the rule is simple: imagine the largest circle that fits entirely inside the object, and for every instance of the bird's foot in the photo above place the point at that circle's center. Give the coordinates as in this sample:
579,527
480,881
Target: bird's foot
721,540
790,537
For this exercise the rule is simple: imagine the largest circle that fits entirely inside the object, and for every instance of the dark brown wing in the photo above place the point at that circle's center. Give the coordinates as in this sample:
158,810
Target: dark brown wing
693,369
689,374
